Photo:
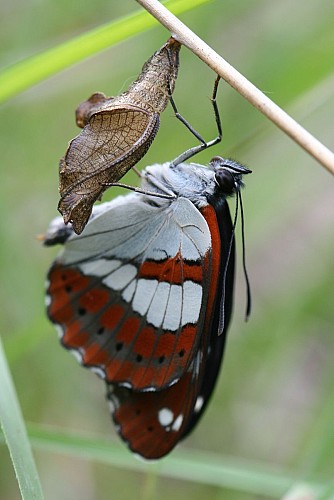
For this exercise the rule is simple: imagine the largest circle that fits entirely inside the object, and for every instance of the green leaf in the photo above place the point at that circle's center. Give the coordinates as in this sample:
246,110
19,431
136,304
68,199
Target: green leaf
196,466
27,73
16,435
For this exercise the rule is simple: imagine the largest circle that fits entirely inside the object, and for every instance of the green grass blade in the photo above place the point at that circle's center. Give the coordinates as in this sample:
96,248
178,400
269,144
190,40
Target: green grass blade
16,436
27,73
195,466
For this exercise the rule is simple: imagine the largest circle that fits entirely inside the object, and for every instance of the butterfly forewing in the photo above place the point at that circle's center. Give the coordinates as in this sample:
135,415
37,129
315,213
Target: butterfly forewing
132,301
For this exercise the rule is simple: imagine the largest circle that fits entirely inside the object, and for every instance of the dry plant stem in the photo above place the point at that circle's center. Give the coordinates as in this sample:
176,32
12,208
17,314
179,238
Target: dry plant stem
253,95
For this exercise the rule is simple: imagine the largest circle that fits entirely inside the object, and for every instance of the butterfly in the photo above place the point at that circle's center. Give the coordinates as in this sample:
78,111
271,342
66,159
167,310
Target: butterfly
143,297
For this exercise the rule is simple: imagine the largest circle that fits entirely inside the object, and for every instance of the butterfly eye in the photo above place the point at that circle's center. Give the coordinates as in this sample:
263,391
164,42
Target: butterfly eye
225,180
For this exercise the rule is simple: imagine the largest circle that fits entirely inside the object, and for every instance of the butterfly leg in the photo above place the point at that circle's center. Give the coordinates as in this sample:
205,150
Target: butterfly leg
183,120
189,153
167,195
136,171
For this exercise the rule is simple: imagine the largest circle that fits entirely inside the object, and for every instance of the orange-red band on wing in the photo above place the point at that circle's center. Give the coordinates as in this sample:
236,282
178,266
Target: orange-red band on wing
114,338
209,214
174,270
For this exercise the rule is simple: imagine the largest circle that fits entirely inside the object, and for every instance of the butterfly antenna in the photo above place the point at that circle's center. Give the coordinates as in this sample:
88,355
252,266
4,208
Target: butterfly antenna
248,289
222,309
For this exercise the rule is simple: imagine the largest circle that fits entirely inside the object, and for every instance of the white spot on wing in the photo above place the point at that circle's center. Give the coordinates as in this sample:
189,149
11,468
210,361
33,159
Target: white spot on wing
60,331
165,417
192,300
77,355
99,372
100,267
127,294
144,293
120,278
177,423
173,382
149,389
199,404
174,308
112,405
47,300
112,399
127,385
158,305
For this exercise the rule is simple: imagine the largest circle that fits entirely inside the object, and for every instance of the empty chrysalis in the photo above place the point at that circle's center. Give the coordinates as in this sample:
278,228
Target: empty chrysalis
117,132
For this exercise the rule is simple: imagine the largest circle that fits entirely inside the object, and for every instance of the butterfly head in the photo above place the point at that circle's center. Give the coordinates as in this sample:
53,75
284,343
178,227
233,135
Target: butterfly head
228,174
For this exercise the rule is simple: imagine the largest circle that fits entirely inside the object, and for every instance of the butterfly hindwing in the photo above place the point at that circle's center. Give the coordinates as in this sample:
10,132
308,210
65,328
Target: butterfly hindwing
152,423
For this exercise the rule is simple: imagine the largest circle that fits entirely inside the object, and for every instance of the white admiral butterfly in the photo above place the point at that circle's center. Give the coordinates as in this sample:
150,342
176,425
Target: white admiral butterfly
143,297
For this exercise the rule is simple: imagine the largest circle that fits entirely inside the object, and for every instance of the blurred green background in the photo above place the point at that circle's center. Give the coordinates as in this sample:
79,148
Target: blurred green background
274,404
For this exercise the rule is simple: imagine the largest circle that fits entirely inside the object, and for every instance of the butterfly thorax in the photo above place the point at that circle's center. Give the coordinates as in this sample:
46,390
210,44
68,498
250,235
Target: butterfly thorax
193,181
187,180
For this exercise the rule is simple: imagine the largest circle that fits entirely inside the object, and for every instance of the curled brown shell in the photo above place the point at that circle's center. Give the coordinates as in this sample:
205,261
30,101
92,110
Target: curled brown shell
117,132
